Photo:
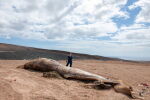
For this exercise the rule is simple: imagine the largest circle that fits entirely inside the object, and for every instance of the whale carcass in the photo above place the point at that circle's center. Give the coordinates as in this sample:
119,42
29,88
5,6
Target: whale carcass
45,65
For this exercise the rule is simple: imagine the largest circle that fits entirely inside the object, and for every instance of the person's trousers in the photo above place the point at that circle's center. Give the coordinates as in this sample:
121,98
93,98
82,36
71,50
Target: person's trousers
69,63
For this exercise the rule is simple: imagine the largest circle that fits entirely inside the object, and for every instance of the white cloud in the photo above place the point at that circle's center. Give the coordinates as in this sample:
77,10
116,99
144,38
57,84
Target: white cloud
138,35
59,19
135,34
144,15
97,29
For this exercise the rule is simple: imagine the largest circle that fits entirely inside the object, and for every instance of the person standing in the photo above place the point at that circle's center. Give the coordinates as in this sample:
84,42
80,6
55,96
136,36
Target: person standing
69,60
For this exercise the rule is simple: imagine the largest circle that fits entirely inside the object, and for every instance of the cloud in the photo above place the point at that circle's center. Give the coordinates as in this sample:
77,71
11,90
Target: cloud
59,19
144,15
69,20
135,34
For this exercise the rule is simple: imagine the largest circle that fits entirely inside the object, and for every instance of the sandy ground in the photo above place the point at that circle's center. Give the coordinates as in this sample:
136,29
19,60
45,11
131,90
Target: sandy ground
20,84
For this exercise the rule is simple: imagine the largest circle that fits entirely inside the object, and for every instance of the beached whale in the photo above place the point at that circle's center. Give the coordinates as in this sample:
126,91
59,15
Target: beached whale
45,65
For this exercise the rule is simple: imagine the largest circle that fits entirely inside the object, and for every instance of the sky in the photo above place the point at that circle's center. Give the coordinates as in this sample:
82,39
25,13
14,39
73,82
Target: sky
111,28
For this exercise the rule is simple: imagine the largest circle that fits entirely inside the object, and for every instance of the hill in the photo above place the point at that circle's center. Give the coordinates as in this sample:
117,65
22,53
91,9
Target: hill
14,52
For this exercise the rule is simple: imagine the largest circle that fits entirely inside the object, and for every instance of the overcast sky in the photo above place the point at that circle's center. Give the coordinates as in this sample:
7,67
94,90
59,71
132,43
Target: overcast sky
115,28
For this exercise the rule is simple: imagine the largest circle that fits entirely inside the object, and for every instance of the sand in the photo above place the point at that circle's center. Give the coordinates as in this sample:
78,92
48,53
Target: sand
20,84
